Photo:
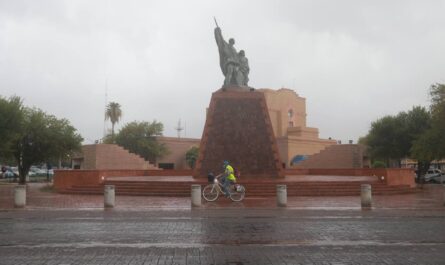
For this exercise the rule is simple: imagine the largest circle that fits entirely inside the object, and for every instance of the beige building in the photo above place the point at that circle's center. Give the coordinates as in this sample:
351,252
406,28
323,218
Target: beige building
177,147
287,112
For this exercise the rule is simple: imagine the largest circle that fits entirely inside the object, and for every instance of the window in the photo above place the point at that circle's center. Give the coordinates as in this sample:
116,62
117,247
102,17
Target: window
290,113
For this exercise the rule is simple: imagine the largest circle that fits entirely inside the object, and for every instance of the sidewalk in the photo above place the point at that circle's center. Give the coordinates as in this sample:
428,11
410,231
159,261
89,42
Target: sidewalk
41,197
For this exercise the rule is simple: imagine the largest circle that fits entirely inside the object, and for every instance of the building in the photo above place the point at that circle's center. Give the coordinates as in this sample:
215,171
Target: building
177,148
287,113
297,143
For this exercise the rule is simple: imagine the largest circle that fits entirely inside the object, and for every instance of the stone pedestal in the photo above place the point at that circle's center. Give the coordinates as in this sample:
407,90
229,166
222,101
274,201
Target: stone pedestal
20,196
366,195
109,196
196,195
238,129
281,195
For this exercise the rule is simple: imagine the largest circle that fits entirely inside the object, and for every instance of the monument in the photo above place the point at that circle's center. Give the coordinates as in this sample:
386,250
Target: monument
234,65
238,127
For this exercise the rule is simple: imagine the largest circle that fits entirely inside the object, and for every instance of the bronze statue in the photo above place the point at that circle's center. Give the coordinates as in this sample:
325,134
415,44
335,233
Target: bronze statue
234,65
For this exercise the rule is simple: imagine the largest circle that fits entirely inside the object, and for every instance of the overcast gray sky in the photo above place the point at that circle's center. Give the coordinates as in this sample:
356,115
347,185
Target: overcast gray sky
353,61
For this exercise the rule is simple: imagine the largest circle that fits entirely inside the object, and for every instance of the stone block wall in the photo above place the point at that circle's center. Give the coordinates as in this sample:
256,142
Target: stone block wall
238,129
335,156
111,156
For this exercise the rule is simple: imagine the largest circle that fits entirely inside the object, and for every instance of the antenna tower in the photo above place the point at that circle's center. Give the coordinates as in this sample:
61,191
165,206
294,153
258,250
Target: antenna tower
179,128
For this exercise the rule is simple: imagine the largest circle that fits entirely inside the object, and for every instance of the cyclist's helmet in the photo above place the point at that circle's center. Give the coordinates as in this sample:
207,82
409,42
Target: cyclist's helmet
225,163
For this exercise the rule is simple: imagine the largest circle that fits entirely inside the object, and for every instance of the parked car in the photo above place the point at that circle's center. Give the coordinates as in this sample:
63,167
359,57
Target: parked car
8,172
433,175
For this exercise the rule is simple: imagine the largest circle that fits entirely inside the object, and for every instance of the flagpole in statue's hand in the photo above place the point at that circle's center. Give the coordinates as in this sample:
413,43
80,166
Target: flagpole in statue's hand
216,22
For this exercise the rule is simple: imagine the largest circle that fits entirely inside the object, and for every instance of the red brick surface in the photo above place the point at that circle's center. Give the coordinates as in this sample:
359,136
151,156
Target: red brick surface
64,179
238,129
431,196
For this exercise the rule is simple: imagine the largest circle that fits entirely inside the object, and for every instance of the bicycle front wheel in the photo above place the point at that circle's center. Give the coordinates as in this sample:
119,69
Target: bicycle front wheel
210,193
238,195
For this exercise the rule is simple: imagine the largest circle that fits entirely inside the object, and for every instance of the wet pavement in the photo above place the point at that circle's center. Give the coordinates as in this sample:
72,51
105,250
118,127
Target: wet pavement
431,197
73,229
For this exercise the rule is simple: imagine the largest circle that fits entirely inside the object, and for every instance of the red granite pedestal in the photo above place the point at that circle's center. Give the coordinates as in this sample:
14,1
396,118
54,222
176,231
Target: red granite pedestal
238,129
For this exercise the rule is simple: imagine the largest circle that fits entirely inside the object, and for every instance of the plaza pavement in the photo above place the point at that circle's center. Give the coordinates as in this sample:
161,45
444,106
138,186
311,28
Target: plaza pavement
74,229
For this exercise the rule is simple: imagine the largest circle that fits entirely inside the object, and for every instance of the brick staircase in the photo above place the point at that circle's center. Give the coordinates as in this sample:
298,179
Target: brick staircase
253,188
335,156
112,156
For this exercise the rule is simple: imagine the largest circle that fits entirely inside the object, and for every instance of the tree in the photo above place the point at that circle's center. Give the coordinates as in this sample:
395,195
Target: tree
113,113
392,137
384,139
43,137
140,138
11,118
431,144
437,94
191,156
424,150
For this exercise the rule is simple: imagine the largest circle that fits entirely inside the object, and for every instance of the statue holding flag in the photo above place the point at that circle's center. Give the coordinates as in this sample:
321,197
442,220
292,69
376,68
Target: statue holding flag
234,65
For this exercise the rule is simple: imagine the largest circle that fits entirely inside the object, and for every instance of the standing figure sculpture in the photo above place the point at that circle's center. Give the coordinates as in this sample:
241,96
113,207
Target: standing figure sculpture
234,65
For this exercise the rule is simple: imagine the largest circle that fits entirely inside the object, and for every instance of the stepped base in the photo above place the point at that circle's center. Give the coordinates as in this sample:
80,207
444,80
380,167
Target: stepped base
296,186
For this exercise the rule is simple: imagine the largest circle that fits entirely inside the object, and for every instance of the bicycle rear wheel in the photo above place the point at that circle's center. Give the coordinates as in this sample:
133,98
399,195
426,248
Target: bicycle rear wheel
210,193
238,195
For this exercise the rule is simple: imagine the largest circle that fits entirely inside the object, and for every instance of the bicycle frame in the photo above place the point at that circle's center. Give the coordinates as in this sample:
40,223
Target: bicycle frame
216,188
218,184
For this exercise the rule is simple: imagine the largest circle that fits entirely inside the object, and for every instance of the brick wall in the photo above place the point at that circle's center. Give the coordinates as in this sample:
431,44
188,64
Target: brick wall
111,156
67,178
238,129
335,156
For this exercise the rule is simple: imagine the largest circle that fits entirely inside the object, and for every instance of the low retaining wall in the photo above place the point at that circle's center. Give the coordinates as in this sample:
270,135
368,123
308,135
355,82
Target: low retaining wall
400,176
391,176
67,178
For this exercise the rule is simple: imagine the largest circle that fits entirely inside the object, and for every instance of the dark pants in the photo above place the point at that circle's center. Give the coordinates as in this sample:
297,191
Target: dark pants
226,184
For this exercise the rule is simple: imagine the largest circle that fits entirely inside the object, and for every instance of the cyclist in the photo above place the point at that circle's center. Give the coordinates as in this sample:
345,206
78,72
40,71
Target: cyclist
227,177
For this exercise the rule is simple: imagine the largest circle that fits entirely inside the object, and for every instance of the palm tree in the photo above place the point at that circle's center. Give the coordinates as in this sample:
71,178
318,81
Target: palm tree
114,113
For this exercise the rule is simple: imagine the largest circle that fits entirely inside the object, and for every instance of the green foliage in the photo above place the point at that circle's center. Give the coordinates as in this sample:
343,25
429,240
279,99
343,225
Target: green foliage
109,139
113,112
30,136
431,144
191,156
437,93
392,137
418,134
43,137
378,164
11,119
363,140
140,138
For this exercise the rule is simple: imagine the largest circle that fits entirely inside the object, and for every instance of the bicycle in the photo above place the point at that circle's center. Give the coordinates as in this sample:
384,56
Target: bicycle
211,192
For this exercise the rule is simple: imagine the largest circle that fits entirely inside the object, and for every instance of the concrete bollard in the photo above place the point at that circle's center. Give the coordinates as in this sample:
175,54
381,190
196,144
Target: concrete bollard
109,196
196,195
366,195
20,196
281,195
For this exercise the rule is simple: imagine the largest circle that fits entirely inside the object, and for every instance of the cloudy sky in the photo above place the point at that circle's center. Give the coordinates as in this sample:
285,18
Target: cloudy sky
353,61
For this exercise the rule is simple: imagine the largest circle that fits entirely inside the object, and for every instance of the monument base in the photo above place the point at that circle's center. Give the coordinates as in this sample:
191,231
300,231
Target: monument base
238,129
